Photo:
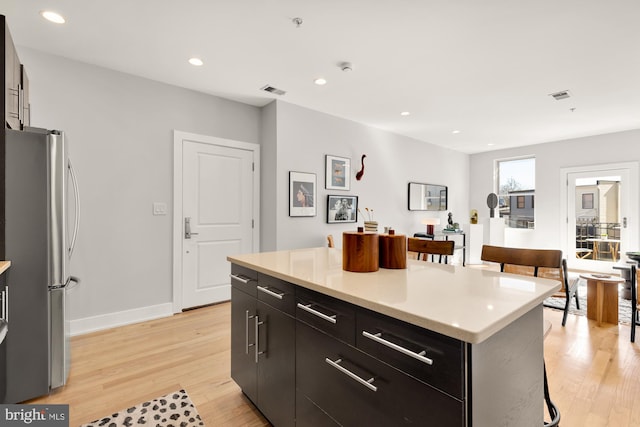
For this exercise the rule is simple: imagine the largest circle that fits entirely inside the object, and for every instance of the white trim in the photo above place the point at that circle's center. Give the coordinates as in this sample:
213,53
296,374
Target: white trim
178,138
120,318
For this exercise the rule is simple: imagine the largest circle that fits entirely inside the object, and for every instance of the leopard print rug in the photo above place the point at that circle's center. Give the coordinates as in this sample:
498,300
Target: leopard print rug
173,410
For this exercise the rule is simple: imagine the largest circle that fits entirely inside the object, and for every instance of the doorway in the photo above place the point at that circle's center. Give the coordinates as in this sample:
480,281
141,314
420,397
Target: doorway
601,215
216,209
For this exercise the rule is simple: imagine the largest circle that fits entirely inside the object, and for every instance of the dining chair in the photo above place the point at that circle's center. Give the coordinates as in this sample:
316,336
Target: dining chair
546,263
539,263
330,241
427,247
635,305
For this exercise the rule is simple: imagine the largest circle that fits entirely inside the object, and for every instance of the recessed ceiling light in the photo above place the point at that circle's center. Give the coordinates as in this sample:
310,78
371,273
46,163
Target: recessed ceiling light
320,81
196,62
491,144
52,16
455,132
405,113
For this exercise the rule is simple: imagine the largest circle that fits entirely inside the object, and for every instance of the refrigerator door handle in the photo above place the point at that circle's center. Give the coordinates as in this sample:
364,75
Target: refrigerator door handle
76,196
73,279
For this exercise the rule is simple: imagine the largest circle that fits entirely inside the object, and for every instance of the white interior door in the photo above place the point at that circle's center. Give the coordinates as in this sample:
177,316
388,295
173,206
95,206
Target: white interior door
217,216
601,215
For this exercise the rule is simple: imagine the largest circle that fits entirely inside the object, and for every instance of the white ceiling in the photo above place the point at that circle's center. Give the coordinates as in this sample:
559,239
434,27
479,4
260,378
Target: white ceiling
485,68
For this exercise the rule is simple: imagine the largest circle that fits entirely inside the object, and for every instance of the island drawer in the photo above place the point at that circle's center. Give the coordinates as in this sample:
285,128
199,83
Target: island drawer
277,293
425,355
308,414
244,279
356,389
335,317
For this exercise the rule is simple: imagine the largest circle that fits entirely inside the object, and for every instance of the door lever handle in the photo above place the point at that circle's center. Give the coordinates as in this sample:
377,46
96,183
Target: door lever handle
187,228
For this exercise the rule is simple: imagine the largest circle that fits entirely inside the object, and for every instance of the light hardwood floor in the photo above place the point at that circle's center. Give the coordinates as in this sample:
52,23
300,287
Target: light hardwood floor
594,372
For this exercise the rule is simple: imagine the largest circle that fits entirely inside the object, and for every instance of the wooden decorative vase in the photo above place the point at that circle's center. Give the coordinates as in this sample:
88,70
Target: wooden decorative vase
360,252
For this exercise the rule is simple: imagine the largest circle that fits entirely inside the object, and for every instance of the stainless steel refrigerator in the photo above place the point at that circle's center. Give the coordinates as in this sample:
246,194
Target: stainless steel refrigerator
39,226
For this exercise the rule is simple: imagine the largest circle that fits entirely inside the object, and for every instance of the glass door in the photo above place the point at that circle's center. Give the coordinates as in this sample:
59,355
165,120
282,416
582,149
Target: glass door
601,223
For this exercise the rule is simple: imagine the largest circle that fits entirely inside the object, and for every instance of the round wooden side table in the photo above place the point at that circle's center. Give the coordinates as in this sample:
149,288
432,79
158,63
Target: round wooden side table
602,297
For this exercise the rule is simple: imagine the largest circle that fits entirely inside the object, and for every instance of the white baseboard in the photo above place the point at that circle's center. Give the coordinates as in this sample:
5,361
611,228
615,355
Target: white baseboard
120,318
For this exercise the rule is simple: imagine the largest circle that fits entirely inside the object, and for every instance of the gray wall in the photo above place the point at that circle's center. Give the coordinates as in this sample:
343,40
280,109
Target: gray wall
305,136
268,188
617,147
120,130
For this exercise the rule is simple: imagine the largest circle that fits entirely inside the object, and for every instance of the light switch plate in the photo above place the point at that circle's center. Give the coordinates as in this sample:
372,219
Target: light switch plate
159,208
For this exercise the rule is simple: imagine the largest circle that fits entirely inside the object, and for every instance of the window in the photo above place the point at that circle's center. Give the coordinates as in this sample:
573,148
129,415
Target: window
587,201
516,191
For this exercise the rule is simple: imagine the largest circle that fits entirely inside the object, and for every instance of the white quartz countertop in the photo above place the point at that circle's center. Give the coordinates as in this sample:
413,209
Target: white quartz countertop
466,303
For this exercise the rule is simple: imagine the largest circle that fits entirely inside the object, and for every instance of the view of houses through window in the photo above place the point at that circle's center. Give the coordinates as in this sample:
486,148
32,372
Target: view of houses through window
516,191
597,211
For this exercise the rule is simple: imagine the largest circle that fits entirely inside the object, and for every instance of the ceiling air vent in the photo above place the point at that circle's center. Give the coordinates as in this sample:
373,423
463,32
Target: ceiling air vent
564,94
274,90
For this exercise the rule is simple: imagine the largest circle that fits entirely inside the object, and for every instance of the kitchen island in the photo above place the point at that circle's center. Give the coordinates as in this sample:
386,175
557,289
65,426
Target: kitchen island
432,344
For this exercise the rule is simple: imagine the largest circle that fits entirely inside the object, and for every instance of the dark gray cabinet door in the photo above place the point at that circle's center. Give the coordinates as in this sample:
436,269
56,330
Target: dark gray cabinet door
356,389
243,356
276,365
263,346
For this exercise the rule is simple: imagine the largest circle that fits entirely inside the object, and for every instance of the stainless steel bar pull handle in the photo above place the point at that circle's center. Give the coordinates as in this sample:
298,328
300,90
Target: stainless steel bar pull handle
270,292
418,356
246,331
187,228
258,323
242,279
367,383
4,306
323,316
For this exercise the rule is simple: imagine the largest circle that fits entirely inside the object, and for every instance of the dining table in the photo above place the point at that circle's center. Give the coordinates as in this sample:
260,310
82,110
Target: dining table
613,246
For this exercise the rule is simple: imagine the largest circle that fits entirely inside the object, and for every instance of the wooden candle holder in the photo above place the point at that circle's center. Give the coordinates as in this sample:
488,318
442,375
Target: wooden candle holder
360,252
393,251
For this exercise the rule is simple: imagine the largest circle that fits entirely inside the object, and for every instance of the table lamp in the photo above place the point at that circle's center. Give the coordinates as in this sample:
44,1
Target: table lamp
430,222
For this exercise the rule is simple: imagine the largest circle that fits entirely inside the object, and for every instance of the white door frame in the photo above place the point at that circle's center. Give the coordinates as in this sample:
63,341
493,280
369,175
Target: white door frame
178,138
633,208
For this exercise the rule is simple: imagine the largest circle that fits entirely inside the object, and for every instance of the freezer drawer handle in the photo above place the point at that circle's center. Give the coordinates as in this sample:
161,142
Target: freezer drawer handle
323,316
270,292
367,383
418,356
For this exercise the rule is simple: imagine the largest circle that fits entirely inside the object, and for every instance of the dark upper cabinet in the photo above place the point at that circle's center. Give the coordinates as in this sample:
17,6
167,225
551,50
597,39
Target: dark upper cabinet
25,106
16,99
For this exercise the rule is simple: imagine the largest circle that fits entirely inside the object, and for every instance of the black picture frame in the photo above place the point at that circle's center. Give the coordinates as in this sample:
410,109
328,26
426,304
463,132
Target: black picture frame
342,209
302,194
337,173
427,197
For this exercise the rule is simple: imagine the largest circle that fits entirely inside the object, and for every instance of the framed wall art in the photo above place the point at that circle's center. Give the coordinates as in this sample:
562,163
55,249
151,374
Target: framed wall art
342,209
302,194
427,197
337,173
